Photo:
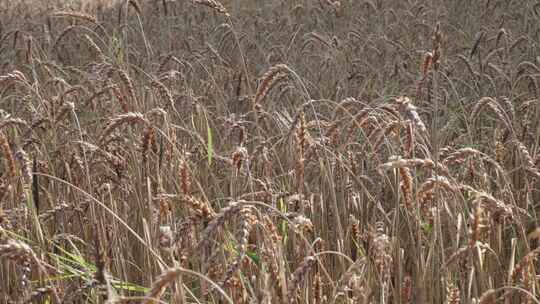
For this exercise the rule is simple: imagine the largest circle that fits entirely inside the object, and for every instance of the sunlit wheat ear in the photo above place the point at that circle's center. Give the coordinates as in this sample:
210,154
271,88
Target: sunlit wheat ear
355,229
500,152
13,76
213,4
410,111
352,285
384,132
318,289
333,133
56,210
21,252
488,297
4,186
12,122
460,253
148,143
300,145
426,65
185,177
127,118
524,270
380,251
274,74
75,15
431,183
63,34
224,214
527,160
124,77
101,276
247,220
272,233
15,250
95,48
202,209
91,100
239,156
460,155
66,109
406,186
413,162
8,155
160,284
437,41
121,99
452,293
41,293
477,224
497,209
299,275
359,121
136,6
164,93
409,140
25,164
494,106
407,290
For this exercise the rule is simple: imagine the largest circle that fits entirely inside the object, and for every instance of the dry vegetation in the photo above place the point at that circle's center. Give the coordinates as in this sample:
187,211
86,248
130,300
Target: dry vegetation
332,151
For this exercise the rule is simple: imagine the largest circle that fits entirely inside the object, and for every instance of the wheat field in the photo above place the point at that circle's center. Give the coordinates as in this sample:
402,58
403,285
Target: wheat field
300,151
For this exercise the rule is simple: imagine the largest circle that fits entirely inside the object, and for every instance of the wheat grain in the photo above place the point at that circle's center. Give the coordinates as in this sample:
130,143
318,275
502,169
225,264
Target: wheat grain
76,15
8,155
213,4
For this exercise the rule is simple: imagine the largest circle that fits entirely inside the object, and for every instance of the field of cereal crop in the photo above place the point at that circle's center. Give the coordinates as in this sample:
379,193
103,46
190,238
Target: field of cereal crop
279,151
